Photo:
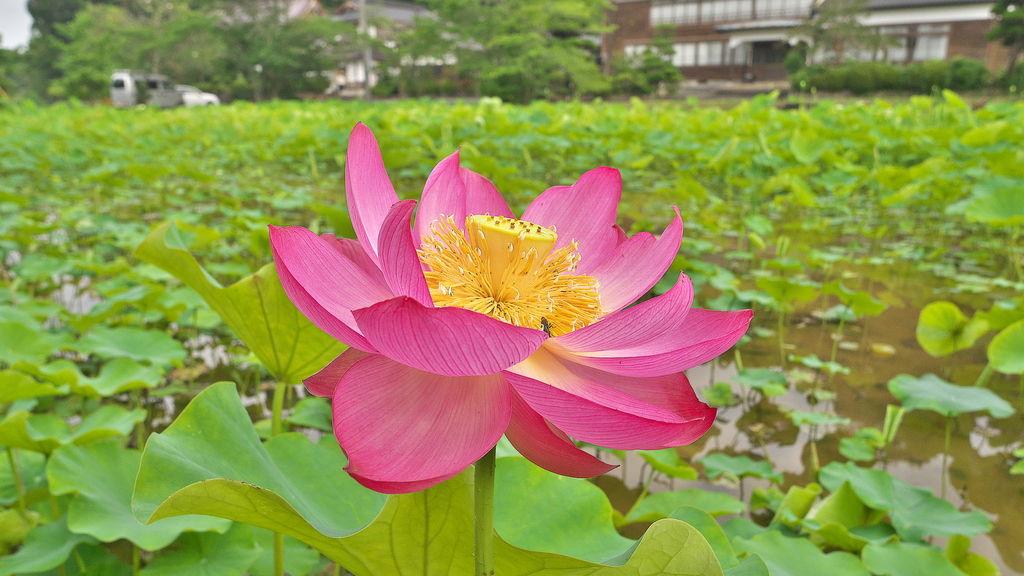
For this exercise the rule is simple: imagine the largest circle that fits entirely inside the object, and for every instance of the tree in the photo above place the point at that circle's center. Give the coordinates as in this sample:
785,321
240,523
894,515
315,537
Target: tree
836,27
101,39
1009,28
521,50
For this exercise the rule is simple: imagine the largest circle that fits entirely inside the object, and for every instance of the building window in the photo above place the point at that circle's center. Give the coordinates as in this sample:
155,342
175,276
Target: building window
633,50
932,42
679,13
685,54
709,53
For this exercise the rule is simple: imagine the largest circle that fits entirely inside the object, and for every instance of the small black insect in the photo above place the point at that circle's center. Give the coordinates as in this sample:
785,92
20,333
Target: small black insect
545,326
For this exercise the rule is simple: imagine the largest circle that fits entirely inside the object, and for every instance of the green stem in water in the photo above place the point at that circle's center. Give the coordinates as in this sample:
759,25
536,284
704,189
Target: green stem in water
984,376
483,508
782,343
835,341
278,554
945,454
18,484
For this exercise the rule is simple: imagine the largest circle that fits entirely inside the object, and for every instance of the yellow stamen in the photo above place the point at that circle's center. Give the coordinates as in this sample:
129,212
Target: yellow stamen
505,268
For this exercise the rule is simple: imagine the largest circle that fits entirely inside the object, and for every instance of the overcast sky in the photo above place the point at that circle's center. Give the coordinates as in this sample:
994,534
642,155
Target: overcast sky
14,23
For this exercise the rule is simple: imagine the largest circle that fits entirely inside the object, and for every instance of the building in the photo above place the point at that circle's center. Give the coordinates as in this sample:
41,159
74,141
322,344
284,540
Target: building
749,39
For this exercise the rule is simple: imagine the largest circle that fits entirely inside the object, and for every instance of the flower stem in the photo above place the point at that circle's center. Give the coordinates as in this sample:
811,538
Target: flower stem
945,454
18,484
276,427
483,505
276,424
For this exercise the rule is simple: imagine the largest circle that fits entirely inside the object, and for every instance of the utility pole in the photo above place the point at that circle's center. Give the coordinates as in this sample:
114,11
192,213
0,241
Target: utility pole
367,52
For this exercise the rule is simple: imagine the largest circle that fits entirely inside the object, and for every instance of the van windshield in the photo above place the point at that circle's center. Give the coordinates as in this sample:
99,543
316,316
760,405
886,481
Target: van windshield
118,82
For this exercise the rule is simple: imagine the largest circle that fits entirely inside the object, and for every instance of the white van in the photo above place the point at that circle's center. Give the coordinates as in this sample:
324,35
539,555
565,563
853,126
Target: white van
129,88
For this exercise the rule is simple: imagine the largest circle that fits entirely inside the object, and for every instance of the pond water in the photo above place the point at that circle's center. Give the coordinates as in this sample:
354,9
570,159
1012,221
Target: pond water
980,451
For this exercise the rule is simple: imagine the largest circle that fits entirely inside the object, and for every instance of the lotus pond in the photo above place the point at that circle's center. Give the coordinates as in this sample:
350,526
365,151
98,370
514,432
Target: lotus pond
870,422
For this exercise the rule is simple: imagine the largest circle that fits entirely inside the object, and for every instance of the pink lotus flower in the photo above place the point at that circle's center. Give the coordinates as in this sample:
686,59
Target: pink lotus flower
471,324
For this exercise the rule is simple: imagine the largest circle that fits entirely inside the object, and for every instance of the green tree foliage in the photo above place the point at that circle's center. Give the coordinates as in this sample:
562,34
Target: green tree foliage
651,71
521,50
1009,28
834,31
100,39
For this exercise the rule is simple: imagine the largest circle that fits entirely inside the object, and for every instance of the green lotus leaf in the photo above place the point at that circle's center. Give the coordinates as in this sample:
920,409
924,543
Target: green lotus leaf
958,551
115,377
796,504
31,465
184,470
769,382
101,475
47,432
151,346
312,412
906,559
712,532
806,148
256,308
996,201
1006,350
663,504
929,392
943,329
19,386
914,512
45,547
539,510
208,554
21,343
786,291
786,556
736,467
668,462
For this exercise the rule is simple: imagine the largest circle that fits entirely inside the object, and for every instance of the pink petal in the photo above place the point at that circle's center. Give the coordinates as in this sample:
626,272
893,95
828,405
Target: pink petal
636,265
401,487
368,190
398,259
584,212
353,250
449,341
482,196
549,447
704,335
326,380
323,283
620,427
401,425
627,327
443,195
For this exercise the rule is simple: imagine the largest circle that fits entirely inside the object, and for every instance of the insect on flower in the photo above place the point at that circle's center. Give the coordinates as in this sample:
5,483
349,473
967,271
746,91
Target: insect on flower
473,323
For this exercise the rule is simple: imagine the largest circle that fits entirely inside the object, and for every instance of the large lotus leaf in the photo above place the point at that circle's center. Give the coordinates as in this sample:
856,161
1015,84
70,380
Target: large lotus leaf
787,291
256,308
152,346
93,560
184,471
1006,350
312,412
929,392
958,551
102,475
787,556
806,147
752,565
769,382
115,377
736,467
47,432
213,438
19,386
668,462
996,201
14,526
796,504
709,528
539,510
861,303
208,554
32,468
943,329
21,343
45,547
904,559
663,504
914,512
